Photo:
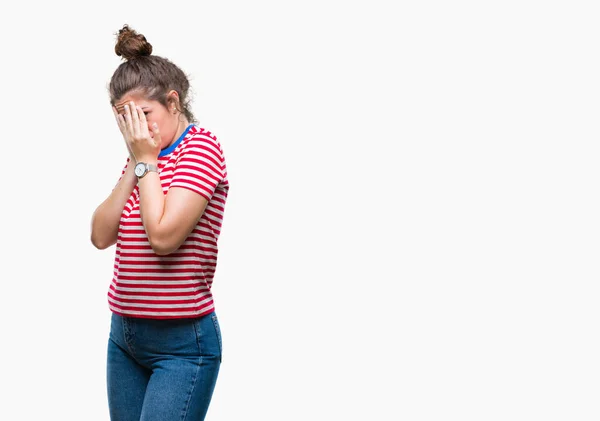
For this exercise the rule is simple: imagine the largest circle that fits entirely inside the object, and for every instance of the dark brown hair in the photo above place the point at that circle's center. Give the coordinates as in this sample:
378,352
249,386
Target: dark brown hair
150,76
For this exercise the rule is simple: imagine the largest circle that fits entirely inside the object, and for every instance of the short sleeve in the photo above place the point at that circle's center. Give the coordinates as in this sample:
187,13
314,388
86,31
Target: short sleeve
199,166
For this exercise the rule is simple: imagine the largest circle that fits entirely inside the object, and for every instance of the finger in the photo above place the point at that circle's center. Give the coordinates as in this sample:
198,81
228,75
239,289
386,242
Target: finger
128,120
141,115
143,122
119,118
116,113
121,122
135,119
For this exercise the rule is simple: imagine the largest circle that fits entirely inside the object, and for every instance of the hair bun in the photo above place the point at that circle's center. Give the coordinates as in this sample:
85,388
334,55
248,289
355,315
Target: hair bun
131,45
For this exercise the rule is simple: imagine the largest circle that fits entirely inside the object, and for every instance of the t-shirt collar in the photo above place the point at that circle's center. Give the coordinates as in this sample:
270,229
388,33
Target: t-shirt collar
169,149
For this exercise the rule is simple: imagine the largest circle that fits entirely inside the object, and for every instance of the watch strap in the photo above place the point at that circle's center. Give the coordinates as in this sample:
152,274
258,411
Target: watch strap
148,168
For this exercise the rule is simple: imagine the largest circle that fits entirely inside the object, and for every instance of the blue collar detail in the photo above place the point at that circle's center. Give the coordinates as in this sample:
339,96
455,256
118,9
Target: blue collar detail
169,149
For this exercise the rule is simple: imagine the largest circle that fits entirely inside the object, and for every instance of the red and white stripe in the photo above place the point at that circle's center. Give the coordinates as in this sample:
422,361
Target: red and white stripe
178,285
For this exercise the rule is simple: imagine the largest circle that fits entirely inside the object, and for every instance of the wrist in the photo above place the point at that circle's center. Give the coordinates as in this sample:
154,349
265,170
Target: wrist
147,160
130,172
142,168
130,165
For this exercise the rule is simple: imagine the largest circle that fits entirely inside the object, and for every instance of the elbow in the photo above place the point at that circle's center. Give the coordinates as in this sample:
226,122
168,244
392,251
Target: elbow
99,243
102,239
162,247
161,251
164,241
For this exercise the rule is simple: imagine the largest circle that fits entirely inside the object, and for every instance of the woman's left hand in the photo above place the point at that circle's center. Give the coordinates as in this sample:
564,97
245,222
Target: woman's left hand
134,127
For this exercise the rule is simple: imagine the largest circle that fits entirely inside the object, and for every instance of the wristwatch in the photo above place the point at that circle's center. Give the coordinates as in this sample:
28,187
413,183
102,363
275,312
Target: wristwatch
141,169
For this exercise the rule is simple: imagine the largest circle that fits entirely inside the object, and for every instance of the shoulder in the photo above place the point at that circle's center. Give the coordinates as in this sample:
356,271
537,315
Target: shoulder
200,134
198,138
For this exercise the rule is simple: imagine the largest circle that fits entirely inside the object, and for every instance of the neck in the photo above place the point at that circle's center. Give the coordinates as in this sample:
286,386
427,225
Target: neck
181,126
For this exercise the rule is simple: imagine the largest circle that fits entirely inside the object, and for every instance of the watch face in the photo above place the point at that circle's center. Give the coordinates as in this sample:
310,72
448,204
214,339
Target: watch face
140,168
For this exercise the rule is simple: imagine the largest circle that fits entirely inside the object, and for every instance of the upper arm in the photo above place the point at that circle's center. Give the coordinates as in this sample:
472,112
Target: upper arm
183,210
197,174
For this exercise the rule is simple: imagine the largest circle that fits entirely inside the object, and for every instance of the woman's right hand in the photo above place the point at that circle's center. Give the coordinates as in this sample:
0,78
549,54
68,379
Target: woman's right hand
119,123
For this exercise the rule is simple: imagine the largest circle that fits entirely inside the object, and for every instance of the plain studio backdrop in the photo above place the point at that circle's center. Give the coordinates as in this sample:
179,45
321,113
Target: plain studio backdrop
412,227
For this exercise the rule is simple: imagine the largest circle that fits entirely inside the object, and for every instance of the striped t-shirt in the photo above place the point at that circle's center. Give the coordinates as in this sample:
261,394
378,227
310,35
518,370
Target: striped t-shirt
177,285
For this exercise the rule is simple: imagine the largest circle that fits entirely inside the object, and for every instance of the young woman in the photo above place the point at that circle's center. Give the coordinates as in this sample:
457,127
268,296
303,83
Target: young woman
165,216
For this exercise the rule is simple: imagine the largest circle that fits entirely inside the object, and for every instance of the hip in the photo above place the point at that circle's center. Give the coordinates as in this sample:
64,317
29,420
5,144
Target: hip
149,340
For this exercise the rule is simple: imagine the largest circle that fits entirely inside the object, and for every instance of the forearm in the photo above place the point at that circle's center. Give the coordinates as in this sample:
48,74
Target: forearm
105,220
152,207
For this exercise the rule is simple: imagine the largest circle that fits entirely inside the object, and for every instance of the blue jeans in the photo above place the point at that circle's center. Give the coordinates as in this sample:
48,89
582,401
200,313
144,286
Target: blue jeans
162,369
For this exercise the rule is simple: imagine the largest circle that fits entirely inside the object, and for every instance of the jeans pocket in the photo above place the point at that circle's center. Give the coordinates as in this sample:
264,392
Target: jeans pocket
218,331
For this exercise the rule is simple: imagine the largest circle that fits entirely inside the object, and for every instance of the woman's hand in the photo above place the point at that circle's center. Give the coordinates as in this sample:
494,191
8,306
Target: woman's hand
116,113
134,127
